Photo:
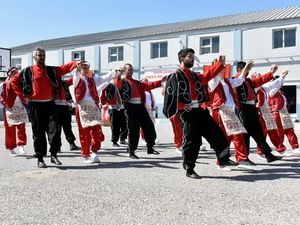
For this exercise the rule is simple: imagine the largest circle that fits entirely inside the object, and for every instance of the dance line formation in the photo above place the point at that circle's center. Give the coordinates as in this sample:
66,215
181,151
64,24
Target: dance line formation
205,105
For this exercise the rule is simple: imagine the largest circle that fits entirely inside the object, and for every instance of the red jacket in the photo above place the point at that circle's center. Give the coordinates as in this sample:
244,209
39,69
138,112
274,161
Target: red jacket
277,102
81,89
8,95
218,98
261,97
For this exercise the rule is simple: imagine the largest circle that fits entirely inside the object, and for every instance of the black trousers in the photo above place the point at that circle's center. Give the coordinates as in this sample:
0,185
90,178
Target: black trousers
64,119
249,117
197,124
137,118
118,125
44,121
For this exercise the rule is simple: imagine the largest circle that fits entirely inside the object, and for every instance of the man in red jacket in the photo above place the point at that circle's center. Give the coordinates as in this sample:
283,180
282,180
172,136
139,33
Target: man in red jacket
133,95
39,83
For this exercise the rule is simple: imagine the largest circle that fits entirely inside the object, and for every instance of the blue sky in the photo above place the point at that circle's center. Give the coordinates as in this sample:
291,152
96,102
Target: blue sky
27,21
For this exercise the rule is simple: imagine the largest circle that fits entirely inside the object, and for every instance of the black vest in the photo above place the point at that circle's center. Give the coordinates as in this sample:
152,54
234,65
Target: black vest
67,91
110,91
242,90
125,92
27,79
178,90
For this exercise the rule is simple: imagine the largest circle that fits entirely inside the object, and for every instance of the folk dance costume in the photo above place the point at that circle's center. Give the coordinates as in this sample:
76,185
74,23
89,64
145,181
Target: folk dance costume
111,96
133,95
88,114
185,88
39,83
63,111
150,106
266,119
248,113
278,107
177,126
15,117
224,102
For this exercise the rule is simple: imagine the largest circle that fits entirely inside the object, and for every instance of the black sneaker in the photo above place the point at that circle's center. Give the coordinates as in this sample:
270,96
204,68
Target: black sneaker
192,174
74,147
152,151
123,142
133,156
41,164
228,162
115,144
271,158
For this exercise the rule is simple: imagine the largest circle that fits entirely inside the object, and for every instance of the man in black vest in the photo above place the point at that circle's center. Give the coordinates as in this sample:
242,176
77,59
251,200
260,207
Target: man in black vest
133,95
185,93
39,83
248,113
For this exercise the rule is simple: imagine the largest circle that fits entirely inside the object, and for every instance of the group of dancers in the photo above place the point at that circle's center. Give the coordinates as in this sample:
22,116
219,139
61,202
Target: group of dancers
205,105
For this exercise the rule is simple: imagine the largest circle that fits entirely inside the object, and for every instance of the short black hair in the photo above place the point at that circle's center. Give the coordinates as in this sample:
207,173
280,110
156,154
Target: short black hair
183,52
240,65
276,77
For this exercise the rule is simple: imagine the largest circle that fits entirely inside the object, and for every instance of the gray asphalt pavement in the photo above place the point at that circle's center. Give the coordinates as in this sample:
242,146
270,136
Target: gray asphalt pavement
152,190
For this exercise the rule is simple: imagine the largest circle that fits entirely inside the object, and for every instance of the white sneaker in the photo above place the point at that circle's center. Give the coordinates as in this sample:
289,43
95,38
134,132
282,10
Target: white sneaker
224,168
203,148
286,154
277,153
94,157
245,165
261,157
12,153
22,150
87,160
179,150
296,151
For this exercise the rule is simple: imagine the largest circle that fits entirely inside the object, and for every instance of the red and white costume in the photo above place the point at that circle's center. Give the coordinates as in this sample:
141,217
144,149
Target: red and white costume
266,119
87,111
278,103
15,117
224,100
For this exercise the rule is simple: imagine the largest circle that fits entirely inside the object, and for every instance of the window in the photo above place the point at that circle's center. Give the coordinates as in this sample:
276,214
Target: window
291,97
209,45
284,38
78,55
115,54
17,62
0,62
159,50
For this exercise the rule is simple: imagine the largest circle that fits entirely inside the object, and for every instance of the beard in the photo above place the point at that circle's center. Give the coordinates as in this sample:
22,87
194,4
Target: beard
189,64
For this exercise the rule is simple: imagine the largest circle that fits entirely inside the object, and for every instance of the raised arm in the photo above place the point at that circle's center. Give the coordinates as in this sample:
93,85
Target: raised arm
100,80
214,70
66,68
76,78
274,86
213,83
259,81
147,86
236,81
